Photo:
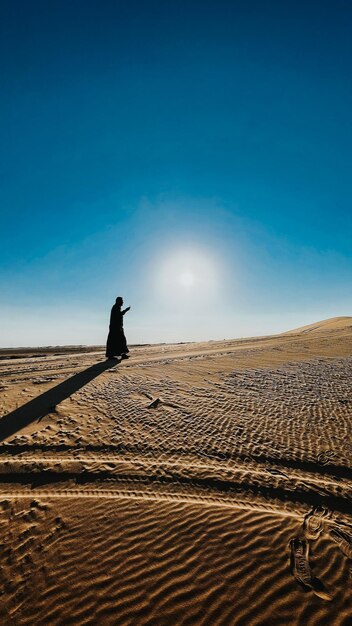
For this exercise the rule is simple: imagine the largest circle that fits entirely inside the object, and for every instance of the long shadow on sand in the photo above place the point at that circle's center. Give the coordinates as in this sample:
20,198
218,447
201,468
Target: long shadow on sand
46,402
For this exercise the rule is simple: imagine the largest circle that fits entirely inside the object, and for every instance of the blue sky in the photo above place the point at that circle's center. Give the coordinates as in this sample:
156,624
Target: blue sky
136,135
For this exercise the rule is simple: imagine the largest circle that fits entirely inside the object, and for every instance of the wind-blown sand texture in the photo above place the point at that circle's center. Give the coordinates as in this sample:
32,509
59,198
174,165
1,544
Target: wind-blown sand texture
192,484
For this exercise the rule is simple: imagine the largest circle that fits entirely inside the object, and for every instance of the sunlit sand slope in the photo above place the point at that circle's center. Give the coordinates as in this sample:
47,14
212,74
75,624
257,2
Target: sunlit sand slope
334,323
192,484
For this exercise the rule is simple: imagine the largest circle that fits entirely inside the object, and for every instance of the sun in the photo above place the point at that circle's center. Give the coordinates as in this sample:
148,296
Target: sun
186,276
187,279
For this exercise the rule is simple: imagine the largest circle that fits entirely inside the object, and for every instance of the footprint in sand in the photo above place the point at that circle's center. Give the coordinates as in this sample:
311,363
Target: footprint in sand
343,540
301,569
313,525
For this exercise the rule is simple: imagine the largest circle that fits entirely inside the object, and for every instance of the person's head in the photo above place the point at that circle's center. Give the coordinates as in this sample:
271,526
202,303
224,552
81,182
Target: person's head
119,301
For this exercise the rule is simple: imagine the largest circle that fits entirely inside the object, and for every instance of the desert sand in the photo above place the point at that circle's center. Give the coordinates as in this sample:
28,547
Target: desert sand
199,483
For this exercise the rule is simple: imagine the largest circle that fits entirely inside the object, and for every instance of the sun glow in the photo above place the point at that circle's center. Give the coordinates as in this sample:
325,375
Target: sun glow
187,276
187,279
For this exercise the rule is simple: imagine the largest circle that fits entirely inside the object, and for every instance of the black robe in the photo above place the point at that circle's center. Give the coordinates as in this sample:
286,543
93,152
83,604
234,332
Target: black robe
116,343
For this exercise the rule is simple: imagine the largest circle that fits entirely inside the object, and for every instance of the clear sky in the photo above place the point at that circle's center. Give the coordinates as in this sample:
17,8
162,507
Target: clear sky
194,157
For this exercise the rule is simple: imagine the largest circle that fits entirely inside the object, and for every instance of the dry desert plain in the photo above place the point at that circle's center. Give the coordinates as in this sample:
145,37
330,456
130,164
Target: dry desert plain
201,483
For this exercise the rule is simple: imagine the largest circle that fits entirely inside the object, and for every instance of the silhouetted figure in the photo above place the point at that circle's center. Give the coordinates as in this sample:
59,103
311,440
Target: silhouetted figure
116,344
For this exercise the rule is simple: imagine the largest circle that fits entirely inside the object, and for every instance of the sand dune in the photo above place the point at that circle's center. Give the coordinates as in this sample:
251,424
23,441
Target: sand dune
193,484
333,323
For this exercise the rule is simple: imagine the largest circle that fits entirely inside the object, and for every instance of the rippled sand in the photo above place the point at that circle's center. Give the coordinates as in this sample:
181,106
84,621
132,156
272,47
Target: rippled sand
192,484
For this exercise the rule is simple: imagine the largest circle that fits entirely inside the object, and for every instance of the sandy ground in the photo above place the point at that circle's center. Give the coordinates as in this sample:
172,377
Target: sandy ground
191,484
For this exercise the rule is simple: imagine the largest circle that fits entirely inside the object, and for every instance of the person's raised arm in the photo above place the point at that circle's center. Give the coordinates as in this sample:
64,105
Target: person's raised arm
125,310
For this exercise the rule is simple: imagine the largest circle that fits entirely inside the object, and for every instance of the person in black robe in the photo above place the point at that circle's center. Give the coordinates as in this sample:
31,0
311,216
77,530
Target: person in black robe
116,344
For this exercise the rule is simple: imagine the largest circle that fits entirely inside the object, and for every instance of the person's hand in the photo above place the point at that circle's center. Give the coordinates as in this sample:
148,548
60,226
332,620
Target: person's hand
128,309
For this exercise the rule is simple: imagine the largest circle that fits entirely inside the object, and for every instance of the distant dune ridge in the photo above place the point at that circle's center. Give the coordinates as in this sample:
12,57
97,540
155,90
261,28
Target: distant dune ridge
202,483
333,323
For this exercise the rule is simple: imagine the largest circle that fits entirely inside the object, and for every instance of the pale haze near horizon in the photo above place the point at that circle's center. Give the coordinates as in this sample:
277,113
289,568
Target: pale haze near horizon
233,288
